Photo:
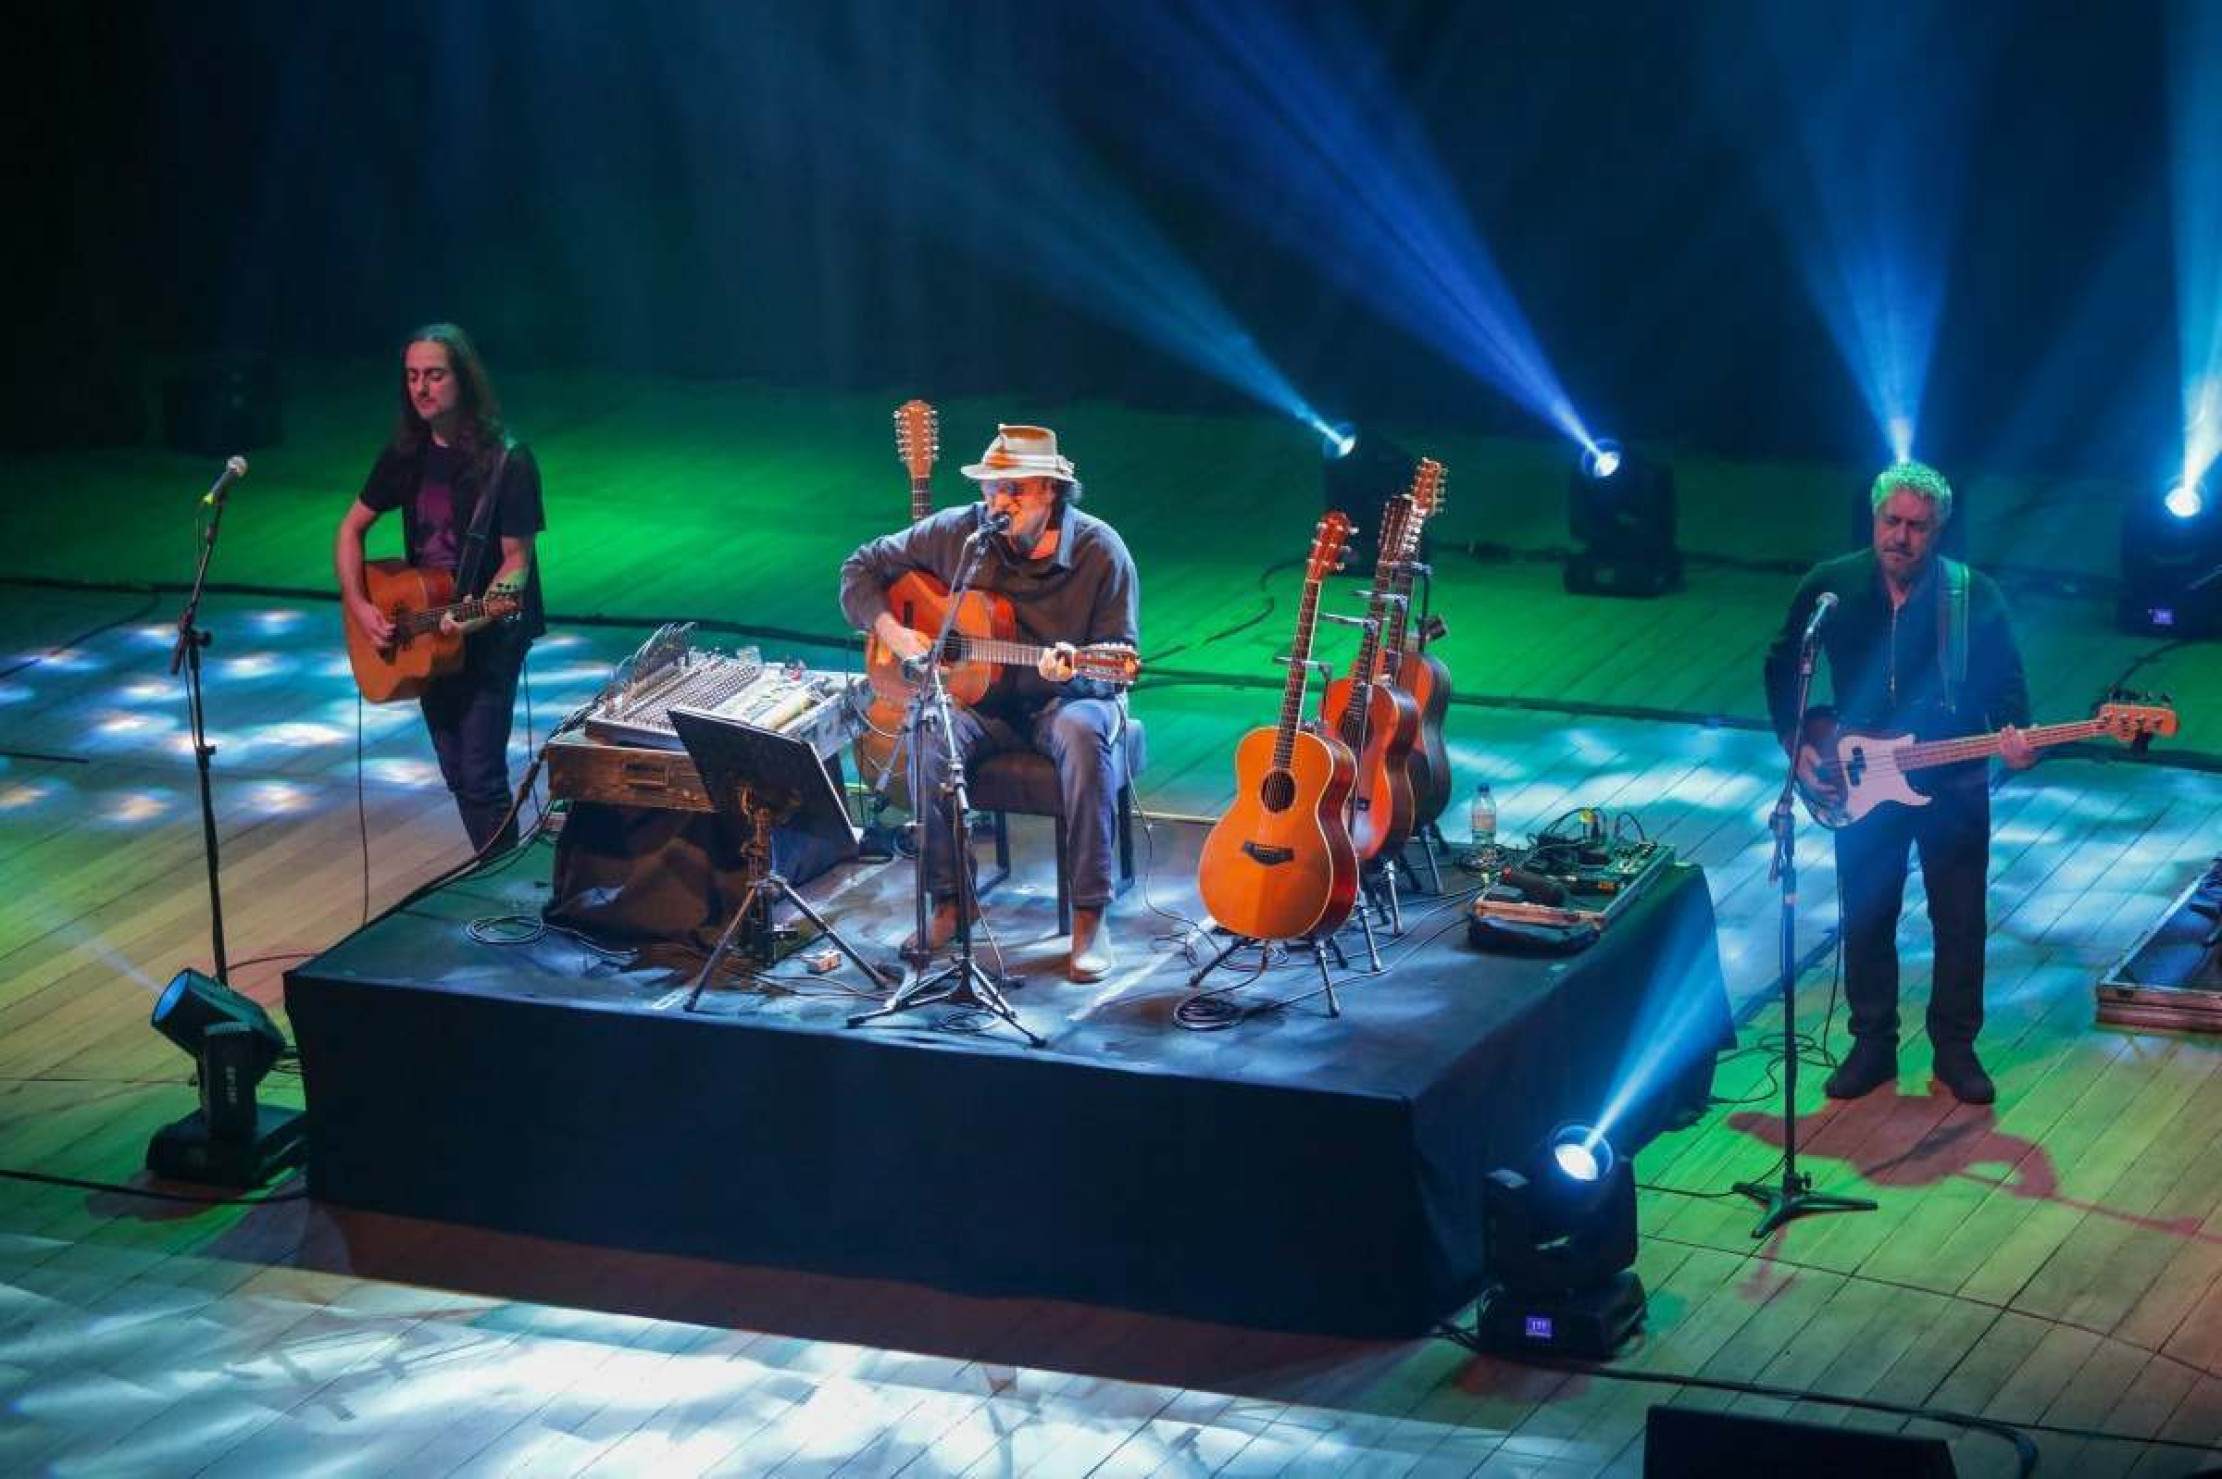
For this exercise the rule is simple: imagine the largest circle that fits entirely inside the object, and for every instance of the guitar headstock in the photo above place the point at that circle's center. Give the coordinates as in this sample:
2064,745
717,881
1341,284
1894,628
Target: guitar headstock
501,604
917,438
1399,533
1107,662
2137,723
1329,541
1427,489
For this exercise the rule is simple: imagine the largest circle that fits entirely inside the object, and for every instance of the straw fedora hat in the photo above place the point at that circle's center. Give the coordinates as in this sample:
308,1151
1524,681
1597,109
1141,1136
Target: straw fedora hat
1020,452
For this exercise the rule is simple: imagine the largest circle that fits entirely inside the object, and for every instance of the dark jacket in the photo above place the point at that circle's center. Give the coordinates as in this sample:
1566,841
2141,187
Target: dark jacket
1885,667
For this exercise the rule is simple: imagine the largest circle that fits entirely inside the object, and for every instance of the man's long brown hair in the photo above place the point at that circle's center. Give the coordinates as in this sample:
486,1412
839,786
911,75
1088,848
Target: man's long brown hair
478,423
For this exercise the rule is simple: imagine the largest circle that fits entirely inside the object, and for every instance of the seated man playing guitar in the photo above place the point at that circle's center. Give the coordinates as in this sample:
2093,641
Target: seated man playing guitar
1067,581
448,448
1920,644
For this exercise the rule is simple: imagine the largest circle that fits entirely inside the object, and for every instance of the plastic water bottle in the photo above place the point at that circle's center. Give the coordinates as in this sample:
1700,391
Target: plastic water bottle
1481,816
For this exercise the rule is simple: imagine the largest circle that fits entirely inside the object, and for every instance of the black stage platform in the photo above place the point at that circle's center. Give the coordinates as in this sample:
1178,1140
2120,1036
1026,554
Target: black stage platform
1294,1171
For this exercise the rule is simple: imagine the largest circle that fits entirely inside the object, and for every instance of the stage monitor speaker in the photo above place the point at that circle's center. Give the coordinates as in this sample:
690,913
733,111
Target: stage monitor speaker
1686,1443
219,406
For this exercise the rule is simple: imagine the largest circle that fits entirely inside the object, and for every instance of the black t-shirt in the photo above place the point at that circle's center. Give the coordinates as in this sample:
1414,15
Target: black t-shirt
437,490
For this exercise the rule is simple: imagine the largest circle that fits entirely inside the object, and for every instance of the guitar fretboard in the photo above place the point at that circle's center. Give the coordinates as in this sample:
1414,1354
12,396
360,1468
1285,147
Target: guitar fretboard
1983,746
1292,689
417,623
1395,520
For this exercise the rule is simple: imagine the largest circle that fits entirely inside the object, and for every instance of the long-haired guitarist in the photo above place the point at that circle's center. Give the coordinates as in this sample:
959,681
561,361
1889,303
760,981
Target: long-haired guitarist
1069,582
1920,645
447,455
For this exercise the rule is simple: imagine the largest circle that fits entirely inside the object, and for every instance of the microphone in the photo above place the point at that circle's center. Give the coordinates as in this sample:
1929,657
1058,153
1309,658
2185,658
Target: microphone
1821,609
997,523
914,668
233,471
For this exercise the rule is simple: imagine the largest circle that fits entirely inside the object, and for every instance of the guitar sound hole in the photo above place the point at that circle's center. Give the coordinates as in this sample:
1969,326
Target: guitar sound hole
1279,791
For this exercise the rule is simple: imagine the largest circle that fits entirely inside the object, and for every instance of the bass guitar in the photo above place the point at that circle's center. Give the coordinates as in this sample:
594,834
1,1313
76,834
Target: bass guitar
1413,668
1871,770
1377,720
1279,865
414,601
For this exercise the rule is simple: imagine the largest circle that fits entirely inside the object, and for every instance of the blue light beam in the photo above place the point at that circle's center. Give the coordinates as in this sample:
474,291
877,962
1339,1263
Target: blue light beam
1324,155
1859,135
2195,116
1061,222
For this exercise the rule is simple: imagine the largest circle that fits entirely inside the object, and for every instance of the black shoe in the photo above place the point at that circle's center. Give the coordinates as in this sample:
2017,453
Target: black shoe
1958,1070
1872,1063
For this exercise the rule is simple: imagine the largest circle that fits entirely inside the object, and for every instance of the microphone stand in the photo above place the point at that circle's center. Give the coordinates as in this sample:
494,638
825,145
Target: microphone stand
186,653
964,982
1795,1196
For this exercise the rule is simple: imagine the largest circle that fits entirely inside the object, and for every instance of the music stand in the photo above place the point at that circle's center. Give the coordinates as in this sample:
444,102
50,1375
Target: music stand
759,779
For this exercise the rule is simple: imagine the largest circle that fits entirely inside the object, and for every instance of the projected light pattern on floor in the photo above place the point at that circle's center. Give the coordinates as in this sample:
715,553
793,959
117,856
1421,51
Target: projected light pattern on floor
2195,110
1308,135
1860,137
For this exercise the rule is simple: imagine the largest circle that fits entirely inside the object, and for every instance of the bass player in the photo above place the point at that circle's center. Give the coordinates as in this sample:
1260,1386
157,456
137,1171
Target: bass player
1069,581
1919,643
447,449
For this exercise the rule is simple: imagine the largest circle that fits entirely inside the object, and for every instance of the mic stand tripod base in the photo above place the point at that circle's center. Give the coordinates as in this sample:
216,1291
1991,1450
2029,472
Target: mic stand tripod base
964,982
1794,1199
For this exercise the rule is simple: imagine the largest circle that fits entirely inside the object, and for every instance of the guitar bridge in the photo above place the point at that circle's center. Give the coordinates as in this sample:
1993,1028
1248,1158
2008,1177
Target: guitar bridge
1269,856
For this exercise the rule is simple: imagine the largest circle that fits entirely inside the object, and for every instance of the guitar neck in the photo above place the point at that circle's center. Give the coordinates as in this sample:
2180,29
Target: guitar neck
921,498
416,623
1292,688
1983,746
996,650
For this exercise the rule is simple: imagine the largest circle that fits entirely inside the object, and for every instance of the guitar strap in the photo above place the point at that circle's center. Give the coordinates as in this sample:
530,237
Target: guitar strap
1952,629
482,521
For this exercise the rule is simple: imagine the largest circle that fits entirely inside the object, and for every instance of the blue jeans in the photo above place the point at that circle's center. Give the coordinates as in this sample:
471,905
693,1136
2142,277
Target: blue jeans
1085,739
469,714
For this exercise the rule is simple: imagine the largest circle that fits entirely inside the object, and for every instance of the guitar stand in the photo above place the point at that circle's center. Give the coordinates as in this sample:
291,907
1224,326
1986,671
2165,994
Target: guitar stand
1429,836
1318,945
1379,882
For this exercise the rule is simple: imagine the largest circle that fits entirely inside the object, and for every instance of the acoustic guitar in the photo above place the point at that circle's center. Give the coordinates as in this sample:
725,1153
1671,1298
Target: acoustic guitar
1412,667
1873,768
1279,864
414,600
917,447
983,642
1377,720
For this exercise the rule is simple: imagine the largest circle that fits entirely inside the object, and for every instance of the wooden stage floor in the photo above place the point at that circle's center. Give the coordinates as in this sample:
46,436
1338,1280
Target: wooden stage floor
2055,1260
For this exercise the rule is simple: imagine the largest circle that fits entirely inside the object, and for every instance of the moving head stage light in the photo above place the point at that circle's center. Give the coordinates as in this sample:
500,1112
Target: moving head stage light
230,1140
1620,508
1559,1242
2172,562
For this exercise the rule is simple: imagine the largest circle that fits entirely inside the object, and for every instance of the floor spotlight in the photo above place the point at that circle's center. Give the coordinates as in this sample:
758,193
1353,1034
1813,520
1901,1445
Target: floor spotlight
1337,439
230,1140
1620,510
2172,562
1559,1244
